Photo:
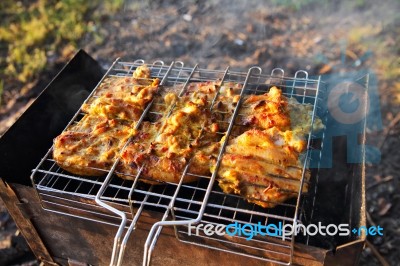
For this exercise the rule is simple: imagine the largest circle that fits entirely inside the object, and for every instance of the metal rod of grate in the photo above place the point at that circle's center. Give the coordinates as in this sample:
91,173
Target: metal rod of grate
174,198
156,228
310,136
182,204
138,213
53,175
101,202
154,233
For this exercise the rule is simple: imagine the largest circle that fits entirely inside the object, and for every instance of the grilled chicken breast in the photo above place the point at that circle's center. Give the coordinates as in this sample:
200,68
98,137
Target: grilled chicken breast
266,110
186,126
122,98
162,150
263,163
91,146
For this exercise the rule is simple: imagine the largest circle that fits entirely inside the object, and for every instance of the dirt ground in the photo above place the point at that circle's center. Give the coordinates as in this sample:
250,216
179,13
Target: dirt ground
324,39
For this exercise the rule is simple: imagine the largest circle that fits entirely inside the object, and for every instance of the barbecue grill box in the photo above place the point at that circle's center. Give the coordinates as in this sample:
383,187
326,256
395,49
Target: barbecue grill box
62,228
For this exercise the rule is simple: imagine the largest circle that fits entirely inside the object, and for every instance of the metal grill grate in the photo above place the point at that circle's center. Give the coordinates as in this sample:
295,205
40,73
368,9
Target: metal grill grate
120,202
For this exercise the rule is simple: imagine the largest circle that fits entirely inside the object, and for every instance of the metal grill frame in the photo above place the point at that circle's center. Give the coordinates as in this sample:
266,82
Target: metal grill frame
124,210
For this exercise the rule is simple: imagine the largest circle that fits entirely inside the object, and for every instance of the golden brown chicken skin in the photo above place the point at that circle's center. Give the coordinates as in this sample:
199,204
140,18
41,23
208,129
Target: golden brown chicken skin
186,126
90,146
163,149
122,98
263,164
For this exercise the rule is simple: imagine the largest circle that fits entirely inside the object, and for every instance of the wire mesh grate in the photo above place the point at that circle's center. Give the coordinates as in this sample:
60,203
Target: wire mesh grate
183,202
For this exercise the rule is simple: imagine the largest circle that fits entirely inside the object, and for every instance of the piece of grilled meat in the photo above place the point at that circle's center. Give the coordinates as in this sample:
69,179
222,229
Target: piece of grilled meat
263,164
90,146
161,150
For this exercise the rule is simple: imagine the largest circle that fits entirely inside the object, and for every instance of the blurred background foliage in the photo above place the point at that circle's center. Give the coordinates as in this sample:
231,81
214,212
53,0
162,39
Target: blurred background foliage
33,31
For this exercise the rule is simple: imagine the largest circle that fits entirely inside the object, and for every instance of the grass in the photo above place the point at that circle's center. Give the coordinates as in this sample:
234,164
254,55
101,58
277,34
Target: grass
113,5
31,30
383,40
384,47
298,4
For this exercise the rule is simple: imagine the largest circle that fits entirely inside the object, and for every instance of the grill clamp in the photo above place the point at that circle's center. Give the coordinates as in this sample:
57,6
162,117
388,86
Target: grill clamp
112,200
